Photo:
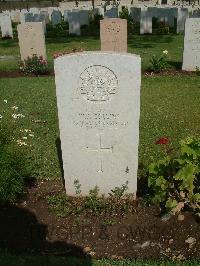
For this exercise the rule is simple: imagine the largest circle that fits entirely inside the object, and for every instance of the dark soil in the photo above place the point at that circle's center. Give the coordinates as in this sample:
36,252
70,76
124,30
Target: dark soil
169,72
17,73
29,226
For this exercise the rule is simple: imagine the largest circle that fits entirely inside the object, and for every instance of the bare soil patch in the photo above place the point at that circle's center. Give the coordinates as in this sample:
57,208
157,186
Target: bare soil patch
30,226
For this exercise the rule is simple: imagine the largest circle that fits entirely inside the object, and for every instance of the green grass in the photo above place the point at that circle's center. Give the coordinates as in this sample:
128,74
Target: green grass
145,46
169,107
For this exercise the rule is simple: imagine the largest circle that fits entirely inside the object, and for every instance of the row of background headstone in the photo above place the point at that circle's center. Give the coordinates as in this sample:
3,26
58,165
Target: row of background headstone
78,17
113,36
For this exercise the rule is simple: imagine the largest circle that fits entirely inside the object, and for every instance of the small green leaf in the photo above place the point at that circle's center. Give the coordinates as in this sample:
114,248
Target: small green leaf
171,204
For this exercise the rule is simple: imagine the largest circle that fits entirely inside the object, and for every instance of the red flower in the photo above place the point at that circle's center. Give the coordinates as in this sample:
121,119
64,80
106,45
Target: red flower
162,141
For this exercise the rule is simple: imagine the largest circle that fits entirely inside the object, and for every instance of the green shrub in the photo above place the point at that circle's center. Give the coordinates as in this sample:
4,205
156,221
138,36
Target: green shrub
117,202
58,30
93,29
158,62
12,170
198,71
34,65
124,14
160,27
175,180
163,30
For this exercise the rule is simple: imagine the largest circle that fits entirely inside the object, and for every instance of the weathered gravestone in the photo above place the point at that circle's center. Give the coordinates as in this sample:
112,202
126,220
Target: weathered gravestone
66,13
46,16
30,17
145,22
74,23
183,14
191,54
98,99
56,17
6,26
113,34
31,39
15,16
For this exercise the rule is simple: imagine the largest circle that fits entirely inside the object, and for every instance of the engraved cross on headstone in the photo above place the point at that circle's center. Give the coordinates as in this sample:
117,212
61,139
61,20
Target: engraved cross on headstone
99,151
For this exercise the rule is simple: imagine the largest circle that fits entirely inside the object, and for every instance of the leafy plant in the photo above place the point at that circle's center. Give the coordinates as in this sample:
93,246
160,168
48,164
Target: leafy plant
198,71
118,192
163,28
93,202
12,170
158,62
34,65
93,29
124,14
175,180
59,204
77,186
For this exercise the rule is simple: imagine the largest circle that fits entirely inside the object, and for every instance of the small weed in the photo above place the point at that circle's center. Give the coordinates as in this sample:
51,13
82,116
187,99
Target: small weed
110,222
118,192
59,204
77,186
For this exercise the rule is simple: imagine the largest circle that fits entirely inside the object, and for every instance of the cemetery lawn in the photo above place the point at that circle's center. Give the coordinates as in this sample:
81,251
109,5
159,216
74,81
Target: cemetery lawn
169,108
145,46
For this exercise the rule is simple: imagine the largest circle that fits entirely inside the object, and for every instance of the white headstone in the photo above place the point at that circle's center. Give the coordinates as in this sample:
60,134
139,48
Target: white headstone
98,99
191,54
74,23
66,13
145,22
183,14
6,26
31,39
84,17
15,16
46,15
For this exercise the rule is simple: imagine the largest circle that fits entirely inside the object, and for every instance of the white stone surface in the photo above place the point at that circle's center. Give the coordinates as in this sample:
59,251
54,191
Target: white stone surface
31,39
6,26
15,16
191,54
98,99
145,22
66,13
183,14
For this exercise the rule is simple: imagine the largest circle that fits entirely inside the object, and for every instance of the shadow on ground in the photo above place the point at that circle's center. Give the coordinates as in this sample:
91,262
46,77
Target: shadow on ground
175,65
22,233
148,41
